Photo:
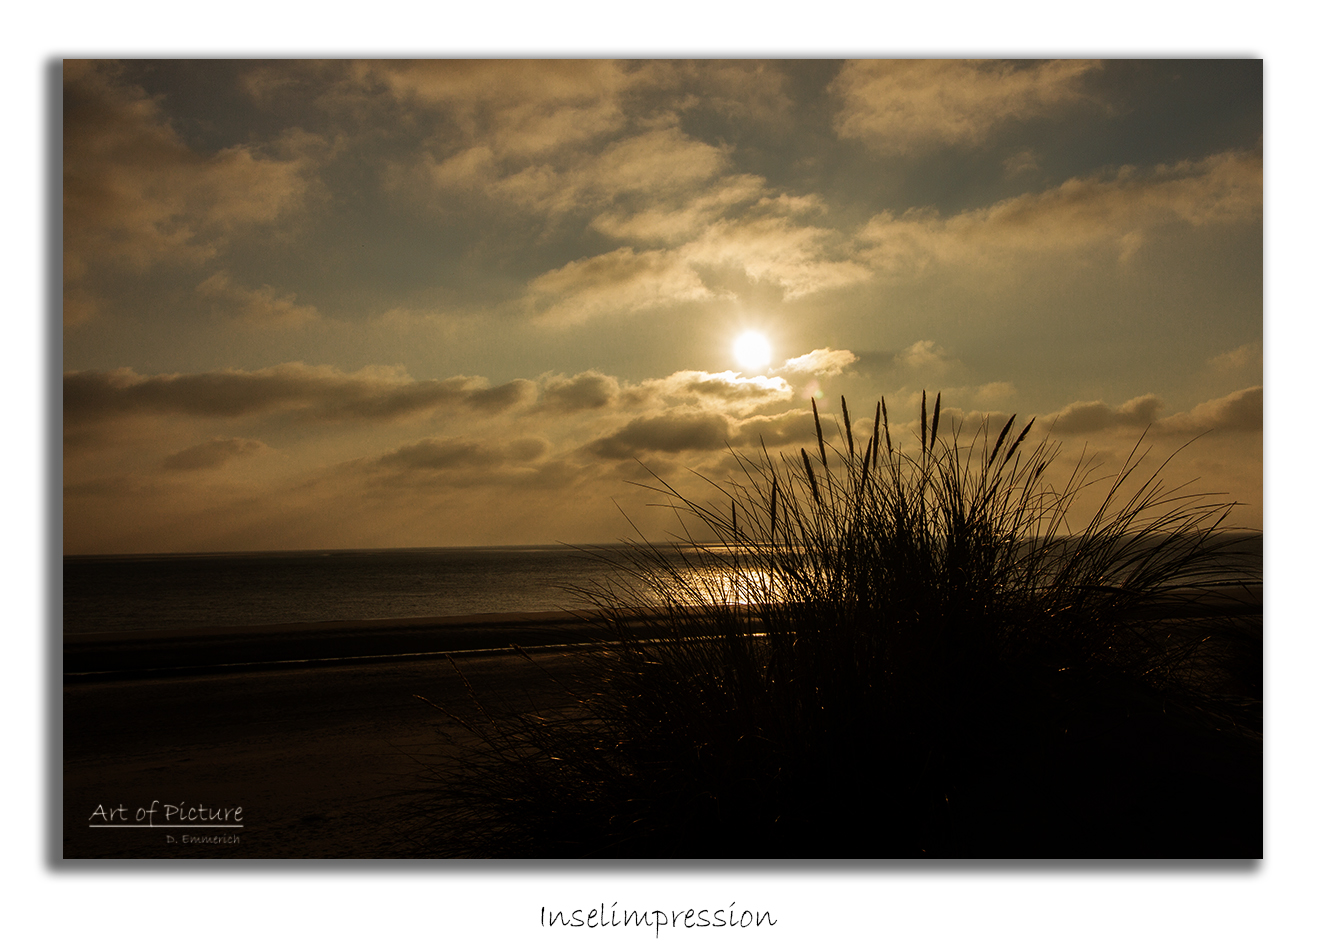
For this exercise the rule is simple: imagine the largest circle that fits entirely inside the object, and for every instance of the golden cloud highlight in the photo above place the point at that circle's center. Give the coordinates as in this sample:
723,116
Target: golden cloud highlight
1116,209
903,107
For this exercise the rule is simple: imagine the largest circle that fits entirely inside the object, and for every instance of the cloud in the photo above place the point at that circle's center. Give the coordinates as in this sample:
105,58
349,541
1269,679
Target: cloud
682,219
655,166
264,307
765,240
666,196
1240,411
1117,209
135,195
615,284
821,362
741,91
598,395
444,454
1081,417
536,108
522,108
320,392
477,395
789,428
800,259
662,161
1020,163
527,450
723,390
906,107
587,390
669,434
559,134
995,393
926,357
435,454
212,454
1247,356
673,223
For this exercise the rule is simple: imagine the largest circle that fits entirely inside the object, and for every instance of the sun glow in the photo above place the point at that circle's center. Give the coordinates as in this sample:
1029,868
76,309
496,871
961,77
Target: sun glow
753,350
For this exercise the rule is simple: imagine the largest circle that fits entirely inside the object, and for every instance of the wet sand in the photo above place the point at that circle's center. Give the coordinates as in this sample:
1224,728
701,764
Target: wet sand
190,651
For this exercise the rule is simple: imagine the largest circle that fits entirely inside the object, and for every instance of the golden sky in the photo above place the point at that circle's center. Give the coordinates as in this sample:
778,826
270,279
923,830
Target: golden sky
381,304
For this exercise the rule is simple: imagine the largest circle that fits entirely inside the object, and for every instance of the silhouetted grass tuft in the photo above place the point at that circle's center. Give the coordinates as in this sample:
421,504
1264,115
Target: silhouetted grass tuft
888,654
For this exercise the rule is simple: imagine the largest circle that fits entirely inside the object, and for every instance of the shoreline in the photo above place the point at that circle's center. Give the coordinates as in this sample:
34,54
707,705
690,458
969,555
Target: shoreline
332,626
243,648
213,649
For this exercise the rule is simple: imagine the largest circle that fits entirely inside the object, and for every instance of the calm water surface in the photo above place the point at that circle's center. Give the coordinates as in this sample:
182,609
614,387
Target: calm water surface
108,594
179,591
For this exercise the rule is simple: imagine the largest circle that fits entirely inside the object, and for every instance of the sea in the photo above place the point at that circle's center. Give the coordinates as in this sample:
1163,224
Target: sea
129,593
121,593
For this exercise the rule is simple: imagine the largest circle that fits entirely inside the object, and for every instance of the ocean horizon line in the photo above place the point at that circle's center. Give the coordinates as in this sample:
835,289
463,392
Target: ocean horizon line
1236,534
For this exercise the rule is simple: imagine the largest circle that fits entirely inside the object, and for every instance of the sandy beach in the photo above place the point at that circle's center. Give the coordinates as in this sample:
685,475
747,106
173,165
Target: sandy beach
316,731
318,748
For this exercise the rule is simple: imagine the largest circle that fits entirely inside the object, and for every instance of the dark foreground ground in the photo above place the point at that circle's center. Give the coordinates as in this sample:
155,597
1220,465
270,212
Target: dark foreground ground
316,757
331,758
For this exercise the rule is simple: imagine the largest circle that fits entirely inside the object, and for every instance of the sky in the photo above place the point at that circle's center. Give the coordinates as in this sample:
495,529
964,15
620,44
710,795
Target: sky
337,304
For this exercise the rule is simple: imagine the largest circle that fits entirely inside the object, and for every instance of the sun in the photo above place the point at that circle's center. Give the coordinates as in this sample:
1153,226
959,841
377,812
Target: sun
753,350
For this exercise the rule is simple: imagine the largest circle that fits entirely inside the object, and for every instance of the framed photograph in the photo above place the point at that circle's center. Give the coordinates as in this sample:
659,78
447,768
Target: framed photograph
662,459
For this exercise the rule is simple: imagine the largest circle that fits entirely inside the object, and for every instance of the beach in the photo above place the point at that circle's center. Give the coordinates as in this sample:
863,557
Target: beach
317,735
324,740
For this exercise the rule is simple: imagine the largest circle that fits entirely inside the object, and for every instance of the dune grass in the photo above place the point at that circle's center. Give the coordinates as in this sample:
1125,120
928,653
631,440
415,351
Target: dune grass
875,652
